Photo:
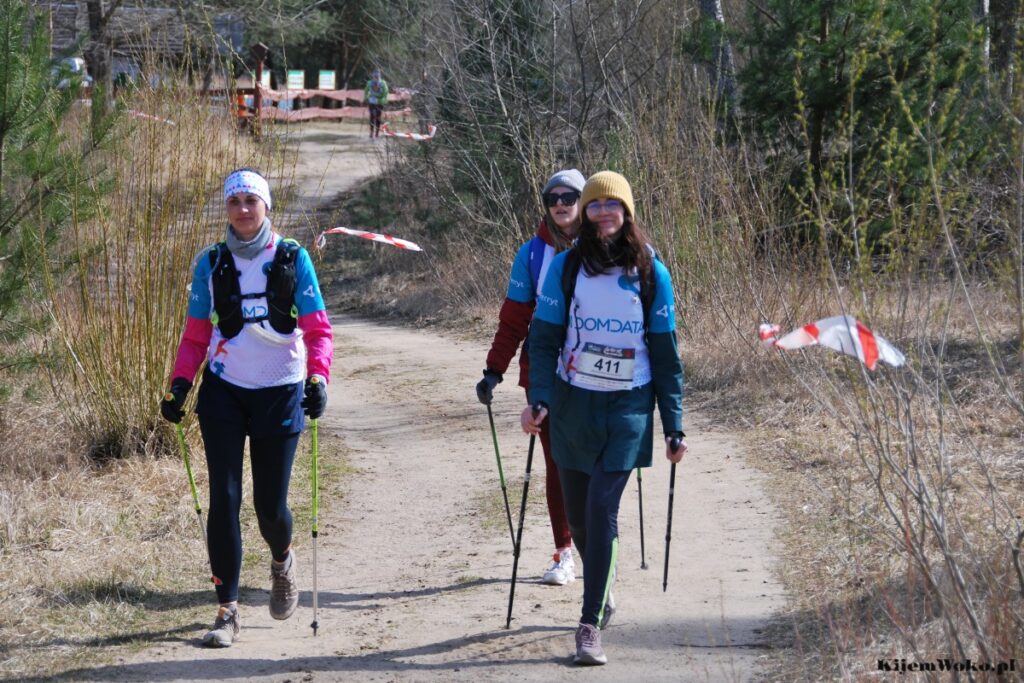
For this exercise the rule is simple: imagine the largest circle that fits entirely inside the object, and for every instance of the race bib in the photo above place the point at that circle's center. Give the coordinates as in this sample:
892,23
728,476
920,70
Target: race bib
605,366
372,100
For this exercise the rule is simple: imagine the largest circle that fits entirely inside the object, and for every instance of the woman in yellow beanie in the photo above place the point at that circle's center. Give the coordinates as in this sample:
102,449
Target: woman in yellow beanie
603,350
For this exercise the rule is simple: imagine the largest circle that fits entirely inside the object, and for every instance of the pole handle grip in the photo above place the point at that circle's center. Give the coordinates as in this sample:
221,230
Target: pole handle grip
675,443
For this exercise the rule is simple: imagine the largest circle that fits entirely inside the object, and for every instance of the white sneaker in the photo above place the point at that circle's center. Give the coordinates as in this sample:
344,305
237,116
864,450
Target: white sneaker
563,571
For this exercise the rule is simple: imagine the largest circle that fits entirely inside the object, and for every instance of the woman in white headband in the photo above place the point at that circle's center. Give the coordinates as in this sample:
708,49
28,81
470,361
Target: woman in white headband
256,316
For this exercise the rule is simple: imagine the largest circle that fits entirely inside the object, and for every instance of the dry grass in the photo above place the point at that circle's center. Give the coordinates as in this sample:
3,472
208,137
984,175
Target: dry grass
111,555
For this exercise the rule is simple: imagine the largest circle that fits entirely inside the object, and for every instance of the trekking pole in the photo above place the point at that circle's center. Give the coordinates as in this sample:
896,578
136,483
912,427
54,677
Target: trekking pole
640,492
316,510
522,516
191,480
674,443
501,476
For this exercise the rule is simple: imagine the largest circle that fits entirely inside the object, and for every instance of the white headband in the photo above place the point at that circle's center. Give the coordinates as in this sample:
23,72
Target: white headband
247,181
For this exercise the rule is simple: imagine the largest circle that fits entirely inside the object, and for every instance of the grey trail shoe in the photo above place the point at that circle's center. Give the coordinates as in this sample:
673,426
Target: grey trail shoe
588,646
284,592
225,629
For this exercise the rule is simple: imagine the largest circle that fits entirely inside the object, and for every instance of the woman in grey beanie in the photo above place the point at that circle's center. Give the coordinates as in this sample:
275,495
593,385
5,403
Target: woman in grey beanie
555,234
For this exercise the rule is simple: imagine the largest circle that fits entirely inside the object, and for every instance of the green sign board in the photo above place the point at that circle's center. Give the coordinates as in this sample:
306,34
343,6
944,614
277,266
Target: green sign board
265,79
296,80
326,81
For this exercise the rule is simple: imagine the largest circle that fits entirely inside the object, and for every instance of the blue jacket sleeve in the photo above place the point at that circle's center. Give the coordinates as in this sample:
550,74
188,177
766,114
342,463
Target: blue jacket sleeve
520,283
550,304
663,308
200,303
546,334
545,343
667,370
666,367
307,289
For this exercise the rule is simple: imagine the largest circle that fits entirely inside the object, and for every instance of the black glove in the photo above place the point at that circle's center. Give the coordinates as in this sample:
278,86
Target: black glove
316,397
174,400
485,387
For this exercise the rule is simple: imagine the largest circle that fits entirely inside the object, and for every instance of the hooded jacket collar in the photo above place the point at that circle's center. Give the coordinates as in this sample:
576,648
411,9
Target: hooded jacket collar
556,239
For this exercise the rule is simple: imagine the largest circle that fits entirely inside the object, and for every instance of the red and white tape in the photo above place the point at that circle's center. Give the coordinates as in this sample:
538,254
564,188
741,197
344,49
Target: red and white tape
387,132
143,115
367,235
842,333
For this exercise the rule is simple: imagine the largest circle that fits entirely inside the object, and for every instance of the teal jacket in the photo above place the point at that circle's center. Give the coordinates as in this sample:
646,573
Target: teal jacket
614,425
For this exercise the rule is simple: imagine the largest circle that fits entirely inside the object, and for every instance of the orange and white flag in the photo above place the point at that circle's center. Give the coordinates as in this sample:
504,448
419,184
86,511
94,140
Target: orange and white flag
842,333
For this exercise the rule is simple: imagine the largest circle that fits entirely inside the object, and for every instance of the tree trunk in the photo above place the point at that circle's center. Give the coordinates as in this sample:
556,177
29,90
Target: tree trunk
981,14
817,118
722,71
1005,20
99,56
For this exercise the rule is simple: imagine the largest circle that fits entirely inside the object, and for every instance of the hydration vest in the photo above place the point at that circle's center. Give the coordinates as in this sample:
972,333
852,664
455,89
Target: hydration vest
280,293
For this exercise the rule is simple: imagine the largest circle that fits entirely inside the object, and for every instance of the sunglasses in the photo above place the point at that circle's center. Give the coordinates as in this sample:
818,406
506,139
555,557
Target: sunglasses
564,198
601,207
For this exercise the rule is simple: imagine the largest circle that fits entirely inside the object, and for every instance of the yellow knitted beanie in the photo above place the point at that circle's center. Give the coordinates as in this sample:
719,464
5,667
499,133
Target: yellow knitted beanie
611,185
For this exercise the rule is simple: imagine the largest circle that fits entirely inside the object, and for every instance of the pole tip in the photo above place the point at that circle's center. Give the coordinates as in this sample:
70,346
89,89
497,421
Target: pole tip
316,627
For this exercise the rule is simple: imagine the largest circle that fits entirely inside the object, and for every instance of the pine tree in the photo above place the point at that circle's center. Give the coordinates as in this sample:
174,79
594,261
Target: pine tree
44,176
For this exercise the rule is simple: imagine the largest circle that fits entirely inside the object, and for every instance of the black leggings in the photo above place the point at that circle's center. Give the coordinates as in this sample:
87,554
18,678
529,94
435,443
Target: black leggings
225,419
375,115
592,506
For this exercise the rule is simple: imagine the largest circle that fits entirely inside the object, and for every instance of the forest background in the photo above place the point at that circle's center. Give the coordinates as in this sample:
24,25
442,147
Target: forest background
791,160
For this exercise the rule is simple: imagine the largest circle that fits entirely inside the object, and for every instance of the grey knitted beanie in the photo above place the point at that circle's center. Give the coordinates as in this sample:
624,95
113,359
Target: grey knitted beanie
570,178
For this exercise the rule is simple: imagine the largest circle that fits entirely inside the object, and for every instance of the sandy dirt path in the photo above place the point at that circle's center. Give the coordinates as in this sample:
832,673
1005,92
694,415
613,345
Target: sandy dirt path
415,563
413,585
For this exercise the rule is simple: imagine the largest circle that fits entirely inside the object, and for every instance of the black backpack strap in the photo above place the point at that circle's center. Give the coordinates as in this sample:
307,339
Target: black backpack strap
281,285
227,294
570,271
647,291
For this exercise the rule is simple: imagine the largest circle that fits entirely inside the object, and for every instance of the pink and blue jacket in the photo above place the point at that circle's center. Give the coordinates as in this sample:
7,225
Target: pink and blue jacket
256,358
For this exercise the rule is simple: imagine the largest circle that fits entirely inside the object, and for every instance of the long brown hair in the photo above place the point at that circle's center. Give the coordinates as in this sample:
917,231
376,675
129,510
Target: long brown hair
562,241
627,249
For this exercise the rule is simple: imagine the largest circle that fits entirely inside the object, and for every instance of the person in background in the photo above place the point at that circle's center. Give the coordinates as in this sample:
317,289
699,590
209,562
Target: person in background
375,94
257,319
602,352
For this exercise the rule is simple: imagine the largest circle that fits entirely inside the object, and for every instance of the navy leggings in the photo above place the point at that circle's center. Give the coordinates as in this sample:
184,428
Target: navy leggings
592,506
227,414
